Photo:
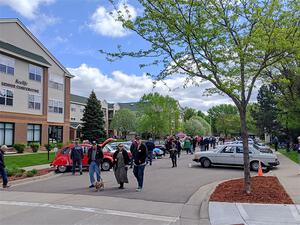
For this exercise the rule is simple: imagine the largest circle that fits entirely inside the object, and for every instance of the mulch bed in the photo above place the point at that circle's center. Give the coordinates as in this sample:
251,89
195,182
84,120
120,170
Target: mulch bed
39,173
267,190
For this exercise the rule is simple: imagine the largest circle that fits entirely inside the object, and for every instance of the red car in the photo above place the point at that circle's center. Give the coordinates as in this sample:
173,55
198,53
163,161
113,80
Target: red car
63,161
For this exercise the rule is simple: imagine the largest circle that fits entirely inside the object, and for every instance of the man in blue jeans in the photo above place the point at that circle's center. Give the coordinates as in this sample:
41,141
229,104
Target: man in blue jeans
2,167
139,161
95,157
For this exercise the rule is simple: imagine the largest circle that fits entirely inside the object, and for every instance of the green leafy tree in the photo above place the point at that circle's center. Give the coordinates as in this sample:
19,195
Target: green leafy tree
196,126
159,115
228,43
124,121
93,119
188,113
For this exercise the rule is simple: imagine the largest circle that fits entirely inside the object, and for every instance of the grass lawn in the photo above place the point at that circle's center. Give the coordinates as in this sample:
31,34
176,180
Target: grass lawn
28,160
292,155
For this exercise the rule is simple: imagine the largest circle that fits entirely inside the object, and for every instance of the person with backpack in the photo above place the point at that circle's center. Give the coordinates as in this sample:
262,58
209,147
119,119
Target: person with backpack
139,162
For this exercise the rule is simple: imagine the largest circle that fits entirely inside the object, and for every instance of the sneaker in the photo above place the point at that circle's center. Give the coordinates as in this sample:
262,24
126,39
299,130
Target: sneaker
80,173
6,186
138,189
92,186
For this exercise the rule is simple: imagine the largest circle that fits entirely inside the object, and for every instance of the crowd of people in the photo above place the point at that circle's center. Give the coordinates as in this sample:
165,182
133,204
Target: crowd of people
142,154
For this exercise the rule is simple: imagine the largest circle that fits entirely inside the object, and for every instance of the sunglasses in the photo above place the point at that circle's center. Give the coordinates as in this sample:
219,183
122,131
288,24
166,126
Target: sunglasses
121,146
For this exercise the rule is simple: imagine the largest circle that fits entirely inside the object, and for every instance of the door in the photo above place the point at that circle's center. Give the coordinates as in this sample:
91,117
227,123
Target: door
225,156
239,156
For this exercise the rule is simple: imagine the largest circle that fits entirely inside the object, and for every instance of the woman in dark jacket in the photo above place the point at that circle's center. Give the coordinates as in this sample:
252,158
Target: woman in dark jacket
121,161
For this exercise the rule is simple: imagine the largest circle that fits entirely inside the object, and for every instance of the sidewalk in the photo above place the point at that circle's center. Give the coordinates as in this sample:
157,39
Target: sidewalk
288,173
37,167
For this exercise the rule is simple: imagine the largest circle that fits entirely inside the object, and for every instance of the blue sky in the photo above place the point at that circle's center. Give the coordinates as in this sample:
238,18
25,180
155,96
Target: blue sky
74,31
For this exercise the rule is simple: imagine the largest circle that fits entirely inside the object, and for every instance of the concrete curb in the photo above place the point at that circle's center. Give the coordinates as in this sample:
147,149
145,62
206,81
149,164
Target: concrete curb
34,179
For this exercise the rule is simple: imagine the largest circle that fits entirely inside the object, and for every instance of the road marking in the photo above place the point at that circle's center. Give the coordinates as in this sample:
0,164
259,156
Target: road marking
295,212
93,210
242,211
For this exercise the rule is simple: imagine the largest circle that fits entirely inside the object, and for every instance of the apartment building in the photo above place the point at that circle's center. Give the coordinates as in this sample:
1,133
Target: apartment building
34,89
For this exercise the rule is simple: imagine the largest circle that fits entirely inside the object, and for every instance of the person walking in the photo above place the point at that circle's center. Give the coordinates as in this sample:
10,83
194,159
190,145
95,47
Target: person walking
95,157
206,144
194,141
2,167
178,147
173,154
275,142
121,161
297,148
133,148
187,145
150,146
76,157
139,162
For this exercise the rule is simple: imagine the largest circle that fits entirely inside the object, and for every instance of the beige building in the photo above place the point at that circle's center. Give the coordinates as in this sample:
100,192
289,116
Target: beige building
34,89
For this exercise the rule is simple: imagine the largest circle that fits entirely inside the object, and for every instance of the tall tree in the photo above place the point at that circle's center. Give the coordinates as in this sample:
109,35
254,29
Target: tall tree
265,111
196,126
228,43
159,115
93,119
124,121
188,113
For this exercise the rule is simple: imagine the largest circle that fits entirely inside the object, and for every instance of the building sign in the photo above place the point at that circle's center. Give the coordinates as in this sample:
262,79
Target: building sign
22,85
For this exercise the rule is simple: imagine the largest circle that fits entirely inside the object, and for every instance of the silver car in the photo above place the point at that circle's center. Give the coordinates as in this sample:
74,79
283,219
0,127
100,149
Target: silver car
232,154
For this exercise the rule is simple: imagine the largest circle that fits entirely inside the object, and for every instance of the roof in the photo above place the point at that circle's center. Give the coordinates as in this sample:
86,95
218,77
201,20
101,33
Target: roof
24,53
78,99
133,106
15,20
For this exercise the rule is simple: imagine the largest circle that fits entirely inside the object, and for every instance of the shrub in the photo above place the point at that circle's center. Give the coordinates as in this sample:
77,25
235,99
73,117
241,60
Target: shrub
35,147
19,174
60,145
34,171
19,147
49,146
29,174
12,171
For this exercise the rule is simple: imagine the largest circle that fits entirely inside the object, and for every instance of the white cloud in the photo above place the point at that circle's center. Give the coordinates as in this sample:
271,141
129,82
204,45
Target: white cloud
26,8
121,87
104,22
41,23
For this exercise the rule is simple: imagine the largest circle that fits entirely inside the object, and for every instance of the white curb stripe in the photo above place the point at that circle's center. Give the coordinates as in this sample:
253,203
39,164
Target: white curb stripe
242,211
295,212
94,210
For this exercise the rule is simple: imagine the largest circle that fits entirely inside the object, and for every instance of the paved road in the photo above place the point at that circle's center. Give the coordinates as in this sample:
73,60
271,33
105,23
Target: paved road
65,199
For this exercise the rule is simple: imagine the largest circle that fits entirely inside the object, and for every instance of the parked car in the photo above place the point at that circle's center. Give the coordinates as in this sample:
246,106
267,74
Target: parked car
157,152
262,147
63,162
232,154
112,147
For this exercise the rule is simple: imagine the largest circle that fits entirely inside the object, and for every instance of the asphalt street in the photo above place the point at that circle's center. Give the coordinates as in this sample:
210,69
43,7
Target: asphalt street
66,199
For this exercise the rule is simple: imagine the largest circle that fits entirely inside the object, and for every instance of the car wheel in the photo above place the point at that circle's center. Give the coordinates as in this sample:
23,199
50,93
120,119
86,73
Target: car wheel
61,169
105,166
205,163
254,165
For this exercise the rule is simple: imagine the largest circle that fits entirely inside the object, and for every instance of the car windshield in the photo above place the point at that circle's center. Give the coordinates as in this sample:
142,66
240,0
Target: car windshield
108,148
65,151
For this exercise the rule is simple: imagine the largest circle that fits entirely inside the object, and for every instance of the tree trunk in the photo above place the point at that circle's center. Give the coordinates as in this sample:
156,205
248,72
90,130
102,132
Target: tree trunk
244,131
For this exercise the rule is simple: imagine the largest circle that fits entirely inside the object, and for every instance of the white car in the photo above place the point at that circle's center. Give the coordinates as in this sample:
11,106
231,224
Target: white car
232,154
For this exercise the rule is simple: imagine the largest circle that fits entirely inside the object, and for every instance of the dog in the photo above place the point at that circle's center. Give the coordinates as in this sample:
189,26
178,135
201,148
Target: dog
99,185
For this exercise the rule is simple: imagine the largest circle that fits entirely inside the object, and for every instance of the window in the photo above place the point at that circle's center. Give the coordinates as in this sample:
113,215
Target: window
35,73
34,102
7,134
73,109
56,82
55,106
6,97
7,65
228,149
34,133
55,134
241,150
